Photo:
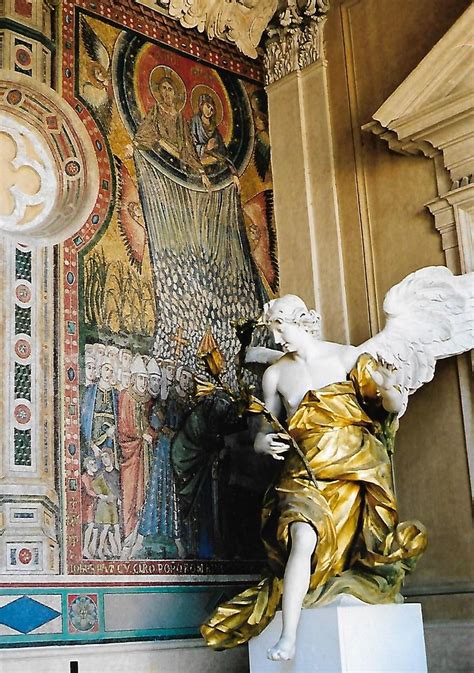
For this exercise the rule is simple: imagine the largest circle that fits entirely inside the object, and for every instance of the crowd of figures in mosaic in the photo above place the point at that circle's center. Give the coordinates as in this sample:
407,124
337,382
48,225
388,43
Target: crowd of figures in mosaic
131,406
188,251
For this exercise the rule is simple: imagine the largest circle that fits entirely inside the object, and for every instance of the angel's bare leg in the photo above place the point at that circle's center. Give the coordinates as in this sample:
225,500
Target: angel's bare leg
295,586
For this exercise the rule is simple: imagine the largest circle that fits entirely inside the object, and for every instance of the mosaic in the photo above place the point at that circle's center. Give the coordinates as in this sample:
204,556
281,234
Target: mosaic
180,247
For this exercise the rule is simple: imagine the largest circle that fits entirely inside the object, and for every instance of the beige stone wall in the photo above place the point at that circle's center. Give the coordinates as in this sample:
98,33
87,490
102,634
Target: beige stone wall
384,232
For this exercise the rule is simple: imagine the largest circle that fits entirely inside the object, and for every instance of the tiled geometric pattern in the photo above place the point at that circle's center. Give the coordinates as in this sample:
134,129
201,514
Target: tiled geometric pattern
71,614
22,447
26,614
23,264
22,381
22,320
22,378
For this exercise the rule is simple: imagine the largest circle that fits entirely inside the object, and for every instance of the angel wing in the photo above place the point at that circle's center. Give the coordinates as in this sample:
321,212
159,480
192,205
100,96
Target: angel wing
429,316
95,48
97,89
130,217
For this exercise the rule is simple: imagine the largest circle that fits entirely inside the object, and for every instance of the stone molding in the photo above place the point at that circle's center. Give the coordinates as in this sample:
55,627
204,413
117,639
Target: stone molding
293,23
241,22
433,108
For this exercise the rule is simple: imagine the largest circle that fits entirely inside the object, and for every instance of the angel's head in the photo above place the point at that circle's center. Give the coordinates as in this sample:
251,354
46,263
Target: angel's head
98,75
290,321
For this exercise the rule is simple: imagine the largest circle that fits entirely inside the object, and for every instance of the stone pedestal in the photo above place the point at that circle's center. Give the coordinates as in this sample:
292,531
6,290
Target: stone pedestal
348,637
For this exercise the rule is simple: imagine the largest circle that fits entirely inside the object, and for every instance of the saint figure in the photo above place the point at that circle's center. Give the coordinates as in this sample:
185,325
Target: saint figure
135,438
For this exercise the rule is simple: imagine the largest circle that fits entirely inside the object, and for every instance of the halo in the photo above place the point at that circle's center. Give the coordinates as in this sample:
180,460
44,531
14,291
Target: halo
160,72
197,91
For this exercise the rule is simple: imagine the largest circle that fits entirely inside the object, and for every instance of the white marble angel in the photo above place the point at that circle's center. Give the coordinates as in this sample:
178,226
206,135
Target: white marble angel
329,520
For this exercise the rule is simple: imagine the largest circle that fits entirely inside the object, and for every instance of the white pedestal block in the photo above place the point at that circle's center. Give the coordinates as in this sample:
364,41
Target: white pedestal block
348,637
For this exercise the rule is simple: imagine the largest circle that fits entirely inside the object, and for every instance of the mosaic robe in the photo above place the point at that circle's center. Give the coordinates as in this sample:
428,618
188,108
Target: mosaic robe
98,413
201,259
160,515
133,423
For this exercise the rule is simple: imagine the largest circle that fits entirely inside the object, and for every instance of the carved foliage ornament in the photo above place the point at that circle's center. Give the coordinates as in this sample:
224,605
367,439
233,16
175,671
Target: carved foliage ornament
239,21
291,49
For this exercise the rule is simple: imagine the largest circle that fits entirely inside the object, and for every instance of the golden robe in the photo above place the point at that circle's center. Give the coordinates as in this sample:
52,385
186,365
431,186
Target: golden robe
337,477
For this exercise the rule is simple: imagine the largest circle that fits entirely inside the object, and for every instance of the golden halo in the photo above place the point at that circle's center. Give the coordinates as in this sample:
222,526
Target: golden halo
158,74
198,90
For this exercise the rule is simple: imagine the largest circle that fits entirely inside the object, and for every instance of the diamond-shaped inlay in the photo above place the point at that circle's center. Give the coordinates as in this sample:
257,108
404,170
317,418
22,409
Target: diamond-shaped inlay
24,614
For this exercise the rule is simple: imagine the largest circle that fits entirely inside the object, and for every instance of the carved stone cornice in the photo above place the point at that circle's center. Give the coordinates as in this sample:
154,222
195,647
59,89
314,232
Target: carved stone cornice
239,21
432,111
405,146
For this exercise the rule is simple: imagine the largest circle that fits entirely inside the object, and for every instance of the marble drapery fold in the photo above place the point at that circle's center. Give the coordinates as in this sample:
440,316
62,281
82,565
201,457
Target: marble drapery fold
340,482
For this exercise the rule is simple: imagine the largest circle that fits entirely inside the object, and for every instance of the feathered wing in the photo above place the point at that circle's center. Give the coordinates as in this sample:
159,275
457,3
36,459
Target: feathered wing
97,94
429,316
95,48
132,229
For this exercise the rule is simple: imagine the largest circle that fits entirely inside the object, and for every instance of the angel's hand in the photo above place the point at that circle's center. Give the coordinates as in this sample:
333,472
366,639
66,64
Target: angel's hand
273,444
384,376
388,382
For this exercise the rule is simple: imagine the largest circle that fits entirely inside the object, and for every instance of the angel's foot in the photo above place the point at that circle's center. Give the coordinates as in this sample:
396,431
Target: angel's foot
283,650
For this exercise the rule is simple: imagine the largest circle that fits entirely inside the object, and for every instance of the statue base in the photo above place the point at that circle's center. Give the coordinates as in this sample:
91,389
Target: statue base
348,636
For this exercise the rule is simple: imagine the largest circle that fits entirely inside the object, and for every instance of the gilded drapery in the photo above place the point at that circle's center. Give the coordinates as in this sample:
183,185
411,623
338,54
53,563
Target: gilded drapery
338,479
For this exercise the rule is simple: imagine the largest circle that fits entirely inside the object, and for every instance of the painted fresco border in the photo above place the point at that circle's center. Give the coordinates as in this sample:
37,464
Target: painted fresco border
164,30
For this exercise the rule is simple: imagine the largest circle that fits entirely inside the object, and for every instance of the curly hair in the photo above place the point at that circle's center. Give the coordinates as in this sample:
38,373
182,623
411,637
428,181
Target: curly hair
291,308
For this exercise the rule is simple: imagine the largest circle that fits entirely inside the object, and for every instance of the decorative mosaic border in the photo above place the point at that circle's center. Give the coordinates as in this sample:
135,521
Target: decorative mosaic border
23,374
76,614
162,29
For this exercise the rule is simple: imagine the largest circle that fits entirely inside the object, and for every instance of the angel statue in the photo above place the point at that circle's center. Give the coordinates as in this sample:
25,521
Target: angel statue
329,520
